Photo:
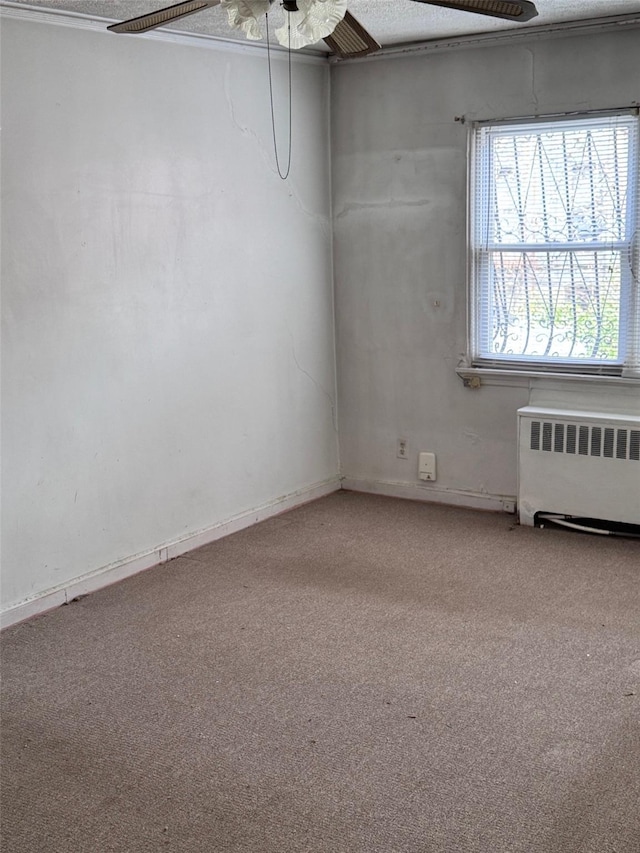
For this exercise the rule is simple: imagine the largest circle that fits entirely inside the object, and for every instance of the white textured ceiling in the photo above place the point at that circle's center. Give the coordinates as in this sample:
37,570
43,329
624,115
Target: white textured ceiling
390,21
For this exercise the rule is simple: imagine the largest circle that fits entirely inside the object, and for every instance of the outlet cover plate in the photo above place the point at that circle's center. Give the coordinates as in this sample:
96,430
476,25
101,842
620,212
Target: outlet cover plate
427,466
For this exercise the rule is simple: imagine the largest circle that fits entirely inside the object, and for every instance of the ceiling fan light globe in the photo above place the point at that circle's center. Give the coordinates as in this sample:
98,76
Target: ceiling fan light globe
314,20
247,15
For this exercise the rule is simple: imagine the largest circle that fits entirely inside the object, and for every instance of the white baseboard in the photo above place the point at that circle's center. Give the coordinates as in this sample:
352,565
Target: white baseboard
431,494
114,572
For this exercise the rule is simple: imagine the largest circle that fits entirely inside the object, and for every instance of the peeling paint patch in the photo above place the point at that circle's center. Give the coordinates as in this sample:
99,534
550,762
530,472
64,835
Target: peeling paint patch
473,437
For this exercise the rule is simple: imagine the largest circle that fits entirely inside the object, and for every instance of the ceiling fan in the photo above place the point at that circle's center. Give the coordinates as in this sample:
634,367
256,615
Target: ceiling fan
312,20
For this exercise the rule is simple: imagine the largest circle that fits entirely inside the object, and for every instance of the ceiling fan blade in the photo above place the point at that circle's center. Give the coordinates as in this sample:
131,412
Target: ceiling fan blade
351,39
162,16
512,10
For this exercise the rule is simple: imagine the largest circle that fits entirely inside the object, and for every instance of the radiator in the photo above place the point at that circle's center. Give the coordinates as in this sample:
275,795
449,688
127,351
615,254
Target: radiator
578,463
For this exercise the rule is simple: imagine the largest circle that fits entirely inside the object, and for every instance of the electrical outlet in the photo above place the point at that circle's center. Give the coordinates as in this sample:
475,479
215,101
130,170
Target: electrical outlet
427,466
401,451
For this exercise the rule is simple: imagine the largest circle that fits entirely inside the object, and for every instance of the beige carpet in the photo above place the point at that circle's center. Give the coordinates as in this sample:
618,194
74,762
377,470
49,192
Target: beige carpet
360,675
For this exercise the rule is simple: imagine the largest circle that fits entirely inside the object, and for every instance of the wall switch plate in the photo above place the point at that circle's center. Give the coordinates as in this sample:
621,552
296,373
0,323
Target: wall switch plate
427,466
401,451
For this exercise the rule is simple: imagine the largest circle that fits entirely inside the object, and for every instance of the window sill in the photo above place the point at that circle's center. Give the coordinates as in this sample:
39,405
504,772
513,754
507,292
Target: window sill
476,377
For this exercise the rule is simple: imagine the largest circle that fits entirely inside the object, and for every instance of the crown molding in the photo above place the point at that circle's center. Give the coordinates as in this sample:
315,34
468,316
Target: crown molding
79,21
501,37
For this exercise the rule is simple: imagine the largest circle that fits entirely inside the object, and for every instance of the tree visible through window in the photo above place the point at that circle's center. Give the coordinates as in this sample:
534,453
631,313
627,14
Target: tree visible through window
555,246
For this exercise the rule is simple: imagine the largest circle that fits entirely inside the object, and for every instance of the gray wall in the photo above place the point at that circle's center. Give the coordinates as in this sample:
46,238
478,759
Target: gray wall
168,354
399,186
168,360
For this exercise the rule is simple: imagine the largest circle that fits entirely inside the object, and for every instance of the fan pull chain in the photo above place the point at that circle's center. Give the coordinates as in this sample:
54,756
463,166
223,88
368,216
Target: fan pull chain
273,119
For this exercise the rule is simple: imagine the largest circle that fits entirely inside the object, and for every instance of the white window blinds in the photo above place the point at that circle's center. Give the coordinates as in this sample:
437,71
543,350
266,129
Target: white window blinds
554,243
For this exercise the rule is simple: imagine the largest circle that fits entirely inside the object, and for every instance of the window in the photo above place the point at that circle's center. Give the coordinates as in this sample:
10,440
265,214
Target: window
554,245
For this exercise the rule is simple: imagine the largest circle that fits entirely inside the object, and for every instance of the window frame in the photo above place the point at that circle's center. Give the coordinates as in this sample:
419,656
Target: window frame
626,367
